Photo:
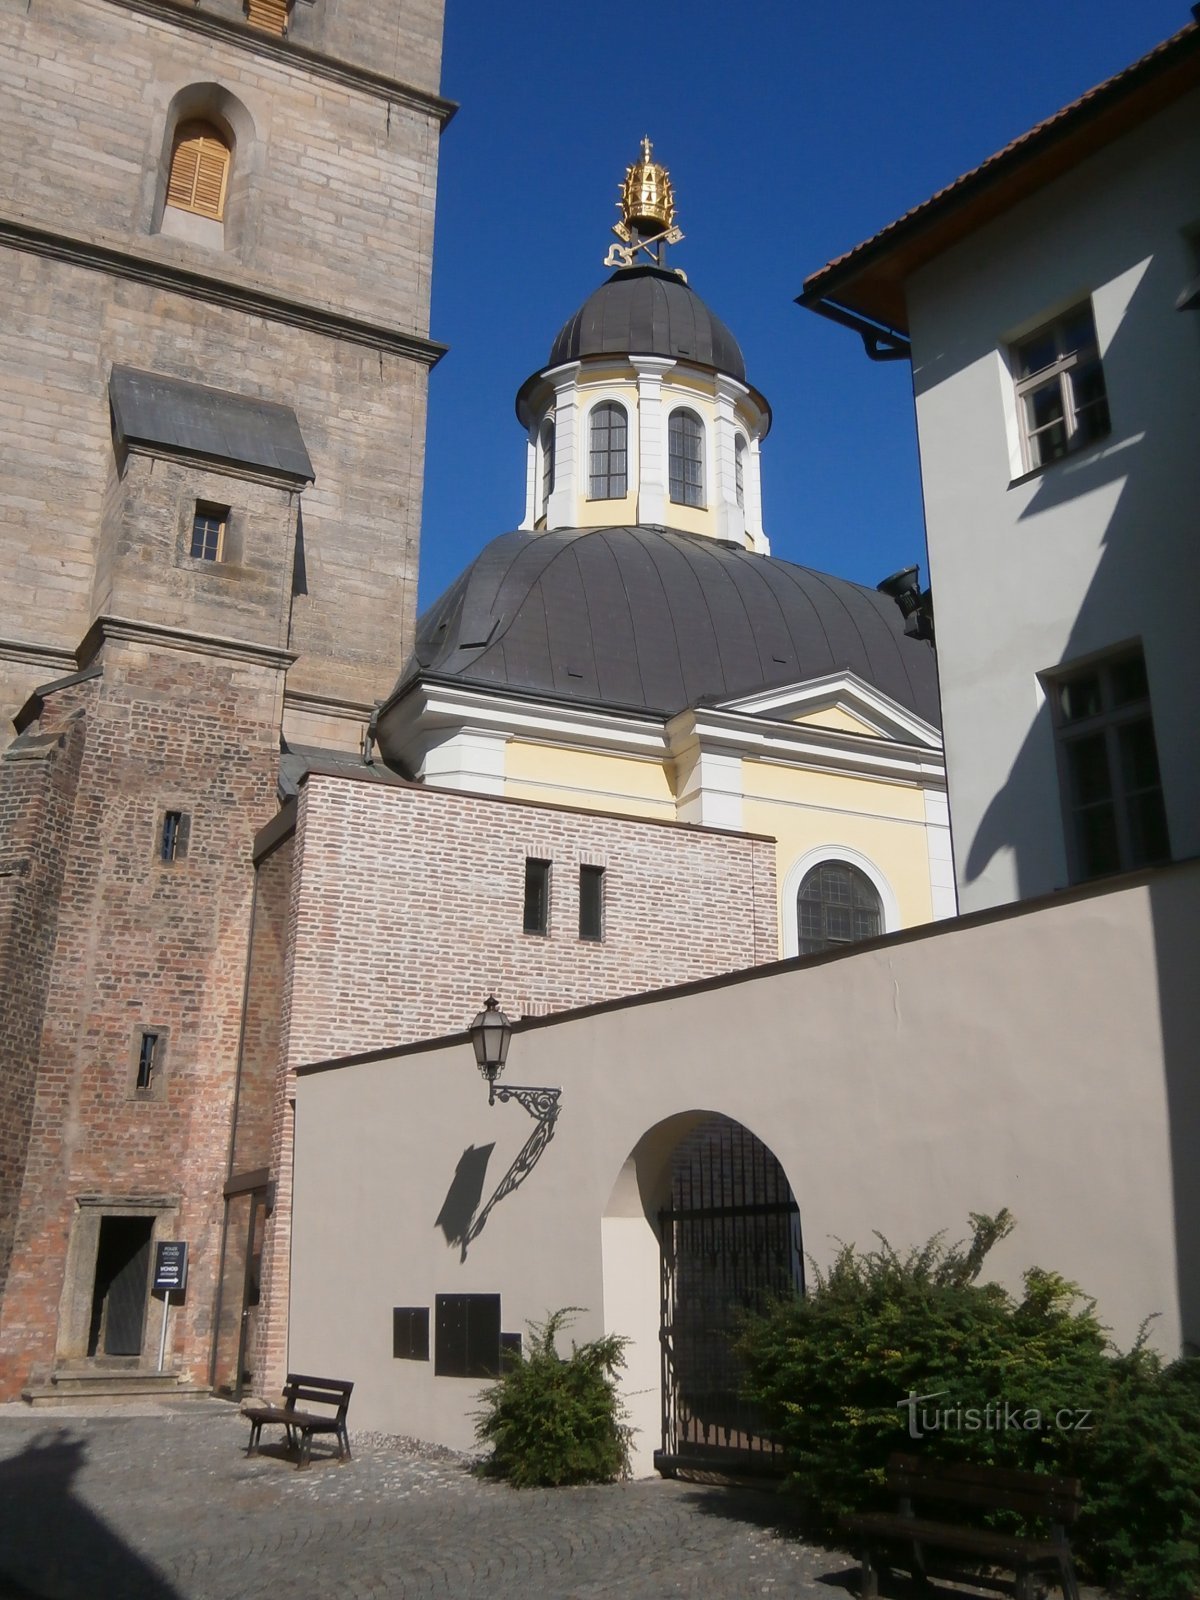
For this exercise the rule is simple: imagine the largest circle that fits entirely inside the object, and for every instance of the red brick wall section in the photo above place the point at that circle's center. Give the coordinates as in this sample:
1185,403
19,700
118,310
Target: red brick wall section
407,908
145,943
38,778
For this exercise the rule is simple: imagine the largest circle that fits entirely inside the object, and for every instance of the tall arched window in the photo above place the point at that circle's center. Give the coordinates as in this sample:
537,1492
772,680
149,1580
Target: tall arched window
608,469
837,904
547,443
199,178
686,444
739,470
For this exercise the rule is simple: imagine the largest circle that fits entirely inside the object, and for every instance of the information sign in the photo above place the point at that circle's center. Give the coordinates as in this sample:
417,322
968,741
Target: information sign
170,1266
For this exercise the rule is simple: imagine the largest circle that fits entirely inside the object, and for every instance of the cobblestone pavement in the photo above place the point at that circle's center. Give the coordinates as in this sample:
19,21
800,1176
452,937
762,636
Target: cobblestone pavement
162,1504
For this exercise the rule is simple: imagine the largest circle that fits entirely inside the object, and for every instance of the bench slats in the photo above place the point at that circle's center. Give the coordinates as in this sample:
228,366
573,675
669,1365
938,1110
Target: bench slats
311,1391
991,1488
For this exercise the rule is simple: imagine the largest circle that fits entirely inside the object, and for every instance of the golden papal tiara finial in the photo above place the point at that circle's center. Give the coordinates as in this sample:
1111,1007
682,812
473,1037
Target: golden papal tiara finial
647,207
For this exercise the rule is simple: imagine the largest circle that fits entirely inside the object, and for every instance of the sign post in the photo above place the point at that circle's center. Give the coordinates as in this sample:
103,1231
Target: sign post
170,1275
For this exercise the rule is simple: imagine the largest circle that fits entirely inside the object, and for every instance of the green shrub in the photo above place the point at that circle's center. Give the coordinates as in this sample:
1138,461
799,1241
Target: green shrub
553,1421
831,1373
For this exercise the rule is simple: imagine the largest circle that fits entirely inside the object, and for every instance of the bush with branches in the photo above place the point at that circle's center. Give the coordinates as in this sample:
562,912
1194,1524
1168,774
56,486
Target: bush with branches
832,1373
552,1420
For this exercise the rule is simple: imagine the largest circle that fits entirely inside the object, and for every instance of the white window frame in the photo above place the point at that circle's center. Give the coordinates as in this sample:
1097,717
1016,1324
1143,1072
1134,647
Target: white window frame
800,869
612,405
1059,374
705,466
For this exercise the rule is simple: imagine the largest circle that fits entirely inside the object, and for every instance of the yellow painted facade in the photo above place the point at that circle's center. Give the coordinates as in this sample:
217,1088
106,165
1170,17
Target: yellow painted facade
836,717
801,809
592,779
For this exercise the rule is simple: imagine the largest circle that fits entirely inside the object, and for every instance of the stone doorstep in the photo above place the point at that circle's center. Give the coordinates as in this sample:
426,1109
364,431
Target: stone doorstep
72,1386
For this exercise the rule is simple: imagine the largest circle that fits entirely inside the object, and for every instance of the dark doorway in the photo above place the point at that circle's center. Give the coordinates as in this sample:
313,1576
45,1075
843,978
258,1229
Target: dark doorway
122,1283
730,1243
236,1350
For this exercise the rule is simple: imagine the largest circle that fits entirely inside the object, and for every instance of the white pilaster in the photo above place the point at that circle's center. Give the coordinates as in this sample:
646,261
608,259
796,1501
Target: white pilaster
531,481
941,860
709,787
753,499
652,440
561,512
730,517
470,759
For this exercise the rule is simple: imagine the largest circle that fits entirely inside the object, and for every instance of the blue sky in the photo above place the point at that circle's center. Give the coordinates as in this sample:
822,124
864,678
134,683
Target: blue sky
792,131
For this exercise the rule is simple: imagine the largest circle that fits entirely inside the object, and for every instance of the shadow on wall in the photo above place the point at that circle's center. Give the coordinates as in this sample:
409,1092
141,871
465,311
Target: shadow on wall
1175,904
1145,585
1148,568
461,1219
51,1543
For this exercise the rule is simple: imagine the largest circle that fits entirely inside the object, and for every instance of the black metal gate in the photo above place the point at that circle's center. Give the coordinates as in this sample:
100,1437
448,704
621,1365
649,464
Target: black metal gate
730,1242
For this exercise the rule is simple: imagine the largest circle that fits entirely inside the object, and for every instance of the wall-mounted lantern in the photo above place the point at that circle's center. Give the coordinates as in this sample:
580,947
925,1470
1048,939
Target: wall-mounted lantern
490,1033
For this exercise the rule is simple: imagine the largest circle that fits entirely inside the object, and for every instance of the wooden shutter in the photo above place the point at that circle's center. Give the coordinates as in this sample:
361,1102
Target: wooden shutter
199,171
269,14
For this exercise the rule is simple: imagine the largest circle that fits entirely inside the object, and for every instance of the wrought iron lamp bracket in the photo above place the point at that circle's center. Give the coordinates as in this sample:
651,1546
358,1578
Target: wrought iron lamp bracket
541,1104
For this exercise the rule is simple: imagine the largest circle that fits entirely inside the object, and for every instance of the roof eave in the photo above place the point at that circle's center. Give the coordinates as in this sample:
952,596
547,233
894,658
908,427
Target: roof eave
869,281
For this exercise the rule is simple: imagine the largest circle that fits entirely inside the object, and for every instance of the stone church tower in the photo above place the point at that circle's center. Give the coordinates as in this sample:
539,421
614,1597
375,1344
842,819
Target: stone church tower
216,227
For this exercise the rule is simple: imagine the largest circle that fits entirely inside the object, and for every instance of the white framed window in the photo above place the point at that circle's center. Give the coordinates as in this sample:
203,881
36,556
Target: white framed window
1061,401
1108,765
836,904
608,452
685,436
739,470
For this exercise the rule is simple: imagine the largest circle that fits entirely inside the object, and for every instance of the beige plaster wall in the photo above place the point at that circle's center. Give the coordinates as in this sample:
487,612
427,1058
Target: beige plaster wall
1040,1060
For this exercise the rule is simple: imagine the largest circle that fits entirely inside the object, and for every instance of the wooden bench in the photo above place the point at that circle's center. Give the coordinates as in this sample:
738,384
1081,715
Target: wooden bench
1054,1501
301,1425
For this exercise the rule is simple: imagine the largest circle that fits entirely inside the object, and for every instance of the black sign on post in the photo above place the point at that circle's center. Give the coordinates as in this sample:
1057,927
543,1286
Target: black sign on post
170,1266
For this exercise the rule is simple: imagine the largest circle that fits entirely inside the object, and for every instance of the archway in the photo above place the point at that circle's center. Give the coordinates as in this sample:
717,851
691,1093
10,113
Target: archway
701,1226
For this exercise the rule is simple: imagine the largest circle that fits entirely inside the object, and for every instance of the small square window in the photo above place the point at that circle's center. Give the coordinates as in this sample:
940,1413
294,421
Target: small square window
209,525
591,903
173,835
537,895
1061,399
1108,763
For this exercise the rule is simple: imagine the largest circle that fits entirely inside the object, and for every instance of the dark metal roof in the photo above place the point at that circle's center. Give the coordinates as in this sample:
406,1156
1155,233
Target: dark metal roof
648,619
648,311
210,423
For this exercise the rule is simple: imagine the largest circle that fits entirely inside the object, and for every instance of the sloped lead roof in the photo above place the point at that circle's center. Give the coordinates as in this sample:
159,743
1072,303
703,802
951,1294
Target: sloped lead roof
212,424
648,311
641,618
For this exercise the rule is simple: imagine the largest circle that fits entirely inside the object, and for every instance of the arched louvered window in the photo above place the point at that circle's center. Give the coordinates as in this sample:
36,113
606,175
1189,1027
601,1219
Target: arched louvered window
199,170
686,447
837,904
547,444
608,458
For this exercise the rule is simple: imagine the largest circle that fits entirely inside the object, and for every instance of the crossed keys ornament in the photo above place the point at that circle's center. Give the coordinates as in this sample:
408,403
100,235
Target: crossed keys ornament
625,255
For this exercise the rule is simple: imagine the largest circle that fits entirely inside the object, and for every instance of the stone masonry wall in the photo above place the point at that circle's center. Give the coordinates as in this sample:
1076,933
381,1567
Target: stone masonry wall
407,908
143,943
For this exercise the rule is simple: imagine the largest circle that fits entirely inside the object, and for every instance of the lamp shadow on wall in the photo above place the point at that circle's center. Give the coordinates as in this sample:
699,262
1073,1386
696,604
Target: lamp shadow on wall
461,1218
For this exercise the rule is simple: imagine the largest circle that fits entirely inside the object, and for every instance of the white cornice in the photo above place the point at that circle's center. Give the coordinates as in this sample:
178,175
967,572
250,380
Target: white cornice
802,745
848,692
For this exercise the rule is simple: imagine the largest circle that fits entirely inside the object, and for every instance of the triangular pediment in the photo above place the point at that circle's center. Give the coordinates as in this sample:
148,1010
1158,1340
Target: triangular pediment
841,701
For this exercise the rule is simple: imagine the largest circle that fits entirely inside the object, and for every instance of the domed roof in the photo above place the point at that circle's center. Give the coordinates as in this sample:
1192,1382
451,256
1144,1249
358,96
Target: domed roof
648,311
647,619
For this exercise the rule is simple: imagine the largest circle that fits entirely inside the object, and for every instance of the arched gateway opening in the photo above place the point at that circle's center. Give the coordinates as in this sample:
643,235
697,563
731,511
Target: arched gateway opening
702,1226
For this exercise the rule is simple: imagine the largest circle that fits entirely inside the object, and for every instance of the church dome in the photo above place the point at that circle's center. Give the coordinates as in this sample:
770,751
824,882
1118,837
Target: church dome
648,311
646,619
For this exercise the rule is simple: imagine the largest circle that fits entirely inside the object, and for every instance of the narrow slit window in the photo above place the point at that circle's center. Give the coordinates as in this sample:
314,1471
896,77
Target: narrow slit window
547,438
591,903
209,525
173,836
739,471
537,895
148,1060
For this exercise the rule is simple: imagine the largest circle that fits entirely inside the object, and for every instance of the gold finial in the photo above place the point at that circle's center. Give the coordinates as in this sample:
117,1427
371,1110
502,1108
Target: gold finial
647,198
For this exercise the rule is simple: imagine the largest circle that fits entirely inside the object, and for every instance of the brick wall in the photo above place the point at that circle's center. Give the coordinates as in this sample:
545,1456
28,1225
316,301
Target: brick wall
38,782
142,943
407,908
